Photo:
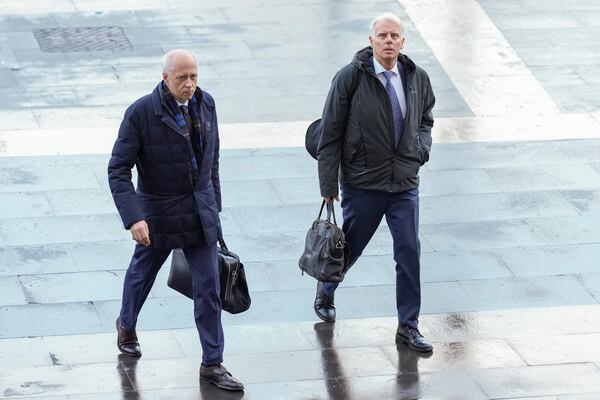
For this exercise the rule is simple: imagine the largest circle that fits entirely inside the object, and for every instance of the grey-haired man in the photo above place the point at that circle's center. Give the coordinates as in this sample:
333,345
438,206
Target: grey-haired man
376,135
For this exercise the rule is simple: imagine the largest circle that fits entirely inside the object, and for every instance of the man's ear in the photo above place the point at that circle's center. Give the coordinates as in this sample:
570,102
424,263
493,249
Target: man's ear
371,40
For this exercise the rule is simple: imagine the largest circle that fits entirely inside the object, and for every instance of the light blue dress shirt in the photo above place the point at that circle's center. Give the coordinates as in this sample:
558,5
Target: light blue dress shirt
396,82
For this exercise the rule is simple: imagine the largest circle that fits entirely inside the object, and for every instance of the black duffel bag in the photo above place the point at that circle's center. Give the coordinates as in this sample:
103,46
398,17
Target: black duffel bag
235,297
325,252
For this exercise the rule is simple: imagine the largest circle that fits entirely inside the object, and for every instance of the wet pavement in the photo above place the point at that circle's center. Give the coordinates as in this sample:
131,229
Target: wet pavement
509,201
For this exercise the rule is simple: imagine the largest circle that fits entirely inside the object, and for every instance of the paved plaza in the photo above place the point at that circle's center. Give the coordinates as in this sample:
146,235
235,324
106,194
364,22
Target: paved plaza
510,201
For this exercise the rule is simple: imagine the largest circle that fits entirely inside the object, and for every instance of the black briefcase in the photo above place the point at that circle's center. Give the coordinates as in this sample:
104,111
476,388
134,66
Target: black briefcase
235,297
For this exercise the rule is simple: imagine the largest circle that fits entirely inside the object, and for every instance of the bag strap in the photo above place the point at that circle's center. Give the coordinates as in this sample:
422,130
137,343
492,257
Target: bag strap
330,212
222,244
321,210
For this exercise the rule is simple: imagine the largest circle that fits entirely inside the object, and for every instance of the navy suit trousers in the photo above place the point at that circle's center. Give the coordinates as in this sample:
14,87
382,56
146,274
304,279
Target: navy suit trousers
363,211
140,276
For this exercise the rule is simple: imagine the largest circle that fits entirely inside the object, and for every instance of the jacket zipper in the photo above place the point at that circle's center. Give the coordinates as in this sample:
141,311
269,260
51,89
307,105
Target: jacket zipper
407,90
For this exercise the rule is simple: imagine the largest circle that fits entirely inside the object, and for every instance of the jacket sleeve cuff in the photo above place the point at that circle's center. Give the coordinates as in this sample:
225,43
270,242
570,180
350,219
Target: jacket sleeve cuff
131,217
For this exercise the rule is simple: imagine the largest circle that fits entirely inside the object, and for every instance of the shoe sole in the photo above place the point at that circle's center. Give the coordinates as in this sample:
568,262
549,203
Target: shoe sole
206,380
132,355
321,318
410,346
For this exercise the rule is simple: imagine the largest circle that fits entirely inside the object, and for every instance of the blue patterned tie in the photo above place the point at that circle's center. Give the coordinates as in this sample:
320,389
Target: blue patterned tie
396,110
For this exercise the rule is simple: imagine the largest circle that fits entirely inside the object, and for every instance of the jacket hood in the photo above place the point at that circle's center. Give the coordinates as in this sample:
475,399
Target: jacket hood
362,59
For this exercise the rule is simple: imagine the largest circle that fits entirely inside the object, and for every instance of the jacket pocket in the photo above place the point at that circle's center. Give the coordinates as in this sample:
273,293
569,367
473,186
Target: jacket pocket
354,147
358,156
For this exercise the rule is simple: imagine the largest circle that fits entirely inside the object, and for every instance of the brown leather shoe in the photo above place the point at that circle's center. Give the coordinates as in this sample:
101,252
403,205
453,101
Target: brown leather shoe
218,375
127,341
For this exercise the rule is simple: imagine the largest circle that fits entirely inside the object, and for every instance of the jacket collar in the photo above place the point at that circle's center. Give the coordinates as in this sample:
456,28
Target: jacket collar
159,104
363,60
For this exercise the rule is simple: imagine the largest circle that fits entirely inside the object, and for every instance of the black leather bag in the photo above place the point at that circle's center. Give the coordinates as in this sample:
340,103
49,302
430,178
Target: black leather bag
325,252
235,297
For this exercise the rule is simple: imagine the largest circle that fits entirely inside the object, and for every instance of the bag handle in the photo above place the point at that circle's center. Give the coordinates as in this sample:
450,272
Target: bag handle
222,244
330,211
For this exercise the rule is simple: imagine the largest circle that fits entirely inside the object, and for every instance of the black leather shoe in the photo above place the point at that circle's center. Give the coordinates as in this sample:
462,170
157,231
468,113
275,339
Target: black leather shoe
413,339
127,341
219,376
324,307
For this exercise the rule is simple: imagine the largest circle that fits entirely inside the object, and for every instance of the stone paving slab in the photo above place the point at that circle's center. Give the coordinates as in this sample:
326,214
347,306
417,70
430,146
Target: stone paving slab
31,319
239,38
527,292
495,206
512,154
539,31
503,224
484,235
533,380
443,266
565,349
50,288
24,205
11,292
32,178
478,355
62,229
587,202
508,250
551,260
35,259
543,177
580,229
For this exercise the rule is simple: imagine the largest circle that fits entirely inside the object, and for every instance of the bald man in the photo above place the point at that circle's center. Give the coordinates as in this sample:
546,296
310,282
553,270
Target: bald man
172,138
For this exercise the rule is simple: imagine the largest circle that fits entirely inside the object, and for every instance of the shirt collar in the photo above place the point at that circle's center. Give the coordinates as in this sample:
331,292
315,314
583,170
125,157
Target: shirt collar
380,69
179,104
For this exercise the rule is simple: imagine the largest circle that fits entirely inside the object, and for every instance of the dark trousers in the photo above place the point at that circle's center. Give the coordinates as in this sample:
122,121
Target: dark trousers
363,211
140,276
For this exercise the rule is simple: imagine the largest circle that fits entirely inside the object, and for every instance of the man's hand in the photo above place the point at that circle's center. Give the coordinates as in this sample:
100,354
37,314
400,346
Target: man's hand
140,233
329,199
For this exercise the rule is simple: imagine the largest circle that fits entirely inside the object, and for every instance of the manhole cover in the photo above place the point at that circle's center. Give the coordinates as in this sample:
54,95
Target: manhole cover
87,38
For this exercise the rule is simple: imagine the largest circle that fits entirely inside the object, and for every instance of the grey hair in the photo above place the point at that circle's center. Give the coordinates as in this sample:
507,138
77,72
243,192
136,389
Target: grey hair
167,61
386,17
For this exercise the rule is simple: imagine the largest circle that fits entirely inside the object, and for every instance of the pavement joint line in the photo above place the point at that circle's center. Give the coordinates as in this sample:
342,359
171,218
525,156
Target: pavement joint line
427,320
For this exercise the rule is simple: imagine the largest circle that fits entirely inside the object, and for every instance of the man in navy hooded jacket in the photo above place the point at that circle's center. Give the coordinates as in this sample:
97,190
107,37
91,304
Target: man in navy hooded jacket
172,138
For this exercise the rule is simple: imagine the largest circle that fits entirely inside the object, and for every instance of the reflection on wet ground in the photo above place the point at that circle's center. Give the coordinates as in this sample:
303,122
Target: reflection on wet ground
497,354
509,204
336,380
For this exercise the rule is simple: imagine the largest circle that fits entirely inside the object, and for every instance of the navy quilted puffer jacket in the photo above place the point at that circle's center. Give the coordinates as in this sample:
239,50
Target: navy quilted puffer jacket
181,209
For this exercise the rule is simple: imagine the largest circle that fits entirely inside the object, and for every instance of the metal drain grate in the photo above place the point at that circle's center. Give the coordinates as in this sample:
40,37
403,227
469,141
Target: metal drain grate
87,38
